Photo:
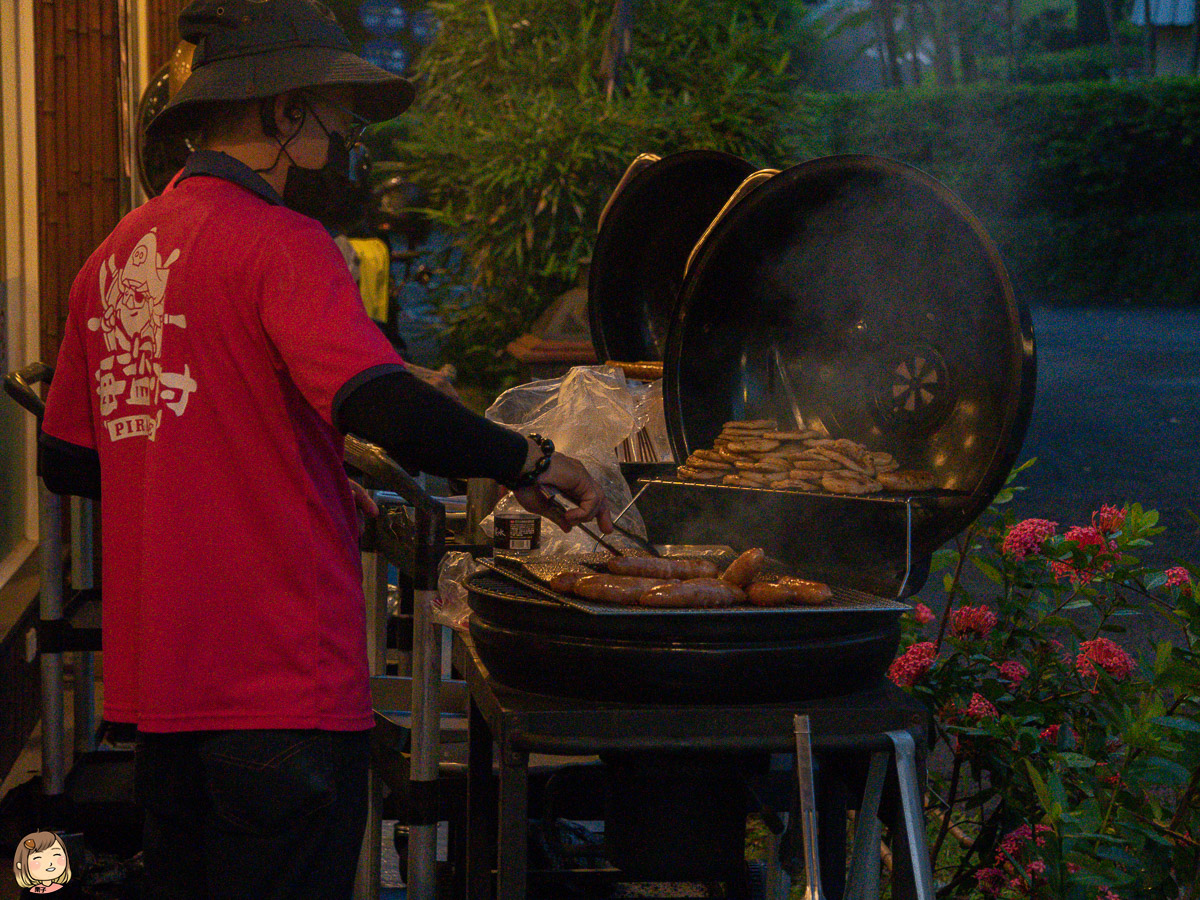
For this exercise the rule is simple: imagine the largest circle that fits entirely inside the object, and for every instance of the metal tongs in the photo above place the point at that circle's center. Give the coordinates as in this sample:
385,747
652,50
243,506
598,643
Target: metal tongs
808,810
552,497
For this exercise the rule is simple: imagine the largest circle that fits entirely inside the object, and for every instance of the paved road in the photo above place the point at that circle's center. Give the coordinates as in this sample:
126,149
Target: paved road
1116,419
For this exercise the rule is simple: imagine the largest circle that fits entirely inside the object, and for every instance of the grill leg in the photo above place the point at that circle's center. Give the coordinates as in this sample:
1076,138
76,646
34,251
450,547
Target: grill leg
514,824
913,813
863,880
481,806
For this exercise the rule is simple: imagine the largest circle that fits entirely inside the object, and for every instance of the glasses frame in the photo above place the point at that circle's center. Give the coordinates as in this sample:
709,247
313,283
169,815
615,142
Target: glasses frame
358,124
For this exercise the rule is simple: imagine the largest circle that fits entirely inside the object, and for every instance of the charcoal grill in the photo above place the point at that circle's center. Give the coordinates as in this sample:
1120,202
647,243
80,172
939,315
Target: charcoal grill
854,295
850,294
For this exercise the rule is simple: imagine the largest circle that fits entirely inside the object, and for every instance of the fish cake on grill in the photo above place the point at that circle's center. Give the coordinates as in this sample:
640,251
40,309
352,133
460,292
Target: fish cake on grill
700,462
846,461
755,424
814,464
907,480
687,473
754,445
849,483
884,462
741,481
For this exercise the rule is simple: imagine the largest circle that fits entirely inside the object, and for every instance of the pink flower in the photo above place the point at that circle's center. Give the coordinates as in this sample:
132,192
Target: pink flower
909,667
1107,894
1085,537
978,620
1037,867
979,708
1179,577
1025,538
1108,656
991,881
923,614
1108,519
1016,840
1050,733
1012,671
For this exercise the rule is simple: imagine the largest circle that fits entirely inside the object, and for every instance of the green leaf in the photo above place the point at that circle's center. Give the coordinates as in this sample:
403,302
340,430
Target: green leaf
1077,760
1039,785
1164,772
1178,724
494,26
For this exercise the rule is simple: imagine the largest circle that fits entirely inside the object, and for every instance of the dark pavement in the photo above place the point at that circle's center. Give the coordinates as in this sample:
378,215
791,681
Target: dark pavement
1117,419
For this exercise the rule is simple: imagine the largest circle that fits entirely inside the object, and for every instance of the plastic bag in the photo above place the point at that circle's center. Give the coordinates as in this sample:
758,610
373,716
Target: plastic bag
587,413
649,442
451,608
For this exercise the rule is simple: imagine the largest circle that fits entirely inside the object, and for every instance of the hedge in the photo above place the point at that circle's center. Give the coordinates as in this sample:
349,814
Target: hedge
1092,189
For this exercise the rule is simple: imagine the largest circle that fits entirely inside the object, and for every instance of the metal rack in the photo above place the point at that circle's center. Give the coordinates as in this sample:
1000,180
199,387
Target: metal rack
411,537
56,632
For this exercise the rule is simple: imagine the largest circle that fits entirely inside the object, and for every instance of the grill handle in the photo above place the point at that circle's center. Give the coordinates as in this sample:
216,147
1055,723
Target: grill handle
20,386
428,540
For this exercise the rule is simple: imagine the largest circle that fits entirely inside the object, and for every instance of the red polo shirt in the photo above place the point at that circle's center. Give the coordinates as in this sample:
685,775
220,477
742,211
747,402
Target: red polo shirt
208,341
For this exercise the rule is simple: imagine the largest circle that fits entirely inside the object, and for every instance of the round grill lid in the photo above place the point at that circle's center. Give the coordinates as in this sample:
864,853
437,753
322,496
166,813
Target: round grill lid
649,227
859,295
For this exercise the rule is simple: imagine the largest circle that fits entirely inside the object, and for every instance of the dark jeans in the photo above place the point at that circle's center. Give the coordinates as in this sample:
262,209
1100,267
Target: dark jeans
262,814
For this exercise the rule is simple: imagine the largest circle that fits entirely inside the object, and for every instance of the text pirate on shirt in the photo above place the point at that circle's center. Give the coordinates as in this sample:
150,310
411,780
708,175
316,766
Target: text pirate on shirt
215,353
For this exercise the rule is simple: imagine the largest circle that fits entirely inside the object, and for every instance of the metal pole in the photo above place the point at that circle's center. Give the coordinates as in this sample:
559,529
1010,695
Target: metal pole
367,876
54,762
426,721
83,522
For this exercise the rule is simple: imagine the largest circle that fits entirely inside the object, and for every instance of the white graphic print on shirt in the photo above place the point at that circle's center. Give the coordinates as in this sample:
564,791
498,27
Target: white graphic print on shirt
134,317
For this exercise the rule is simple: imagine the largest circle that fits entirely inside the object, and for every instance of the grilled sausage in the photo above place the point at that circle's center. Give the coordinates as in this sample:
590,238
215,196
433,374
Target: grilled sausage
657,567
768,593
700,593
743,569
788,591
564,582
620,589
810,593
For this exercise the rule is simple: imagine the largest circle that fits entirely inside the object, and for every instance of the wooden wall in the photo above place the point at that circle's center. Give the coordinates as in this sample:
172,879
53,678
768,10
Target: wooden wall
163,27
80,169
79,140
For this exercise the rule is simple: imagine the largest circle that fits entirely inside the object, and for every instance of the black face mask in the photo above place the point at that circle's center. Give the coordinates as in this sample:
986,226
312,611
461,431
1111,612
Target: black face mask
332,194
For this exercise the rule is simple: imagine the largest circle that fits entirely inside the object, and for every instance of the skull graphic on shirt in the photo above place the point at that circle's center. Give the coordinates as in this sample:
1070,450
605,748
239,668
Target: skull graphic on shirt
131,379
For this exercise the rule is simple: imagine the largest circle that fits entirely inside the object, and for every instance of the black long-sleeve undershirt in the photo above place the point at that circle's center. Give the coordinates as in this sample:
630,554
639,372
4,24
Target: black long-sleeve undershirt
419,427
423,429
68,468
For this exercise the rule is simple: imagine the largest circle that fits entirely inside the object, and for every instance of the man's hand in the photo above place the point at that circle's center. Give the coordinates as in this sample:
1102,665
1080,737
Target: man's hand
363,501
568,476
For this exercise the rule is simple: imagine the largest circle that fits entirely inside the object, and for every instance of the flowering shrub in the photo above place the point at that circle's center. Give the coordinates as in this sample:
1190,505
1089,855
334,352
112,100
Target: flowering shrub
1073,762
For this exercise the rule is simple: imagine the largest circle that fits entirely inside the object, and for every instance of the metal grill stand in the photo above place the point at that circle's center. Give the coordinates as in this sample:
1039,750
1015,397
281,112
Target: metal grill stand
55,634
415,544
882,720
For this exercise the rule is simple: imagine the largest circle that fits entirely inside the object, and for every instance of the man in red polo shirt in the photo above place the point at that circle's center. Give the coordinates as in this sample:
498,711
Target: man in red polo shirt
215,353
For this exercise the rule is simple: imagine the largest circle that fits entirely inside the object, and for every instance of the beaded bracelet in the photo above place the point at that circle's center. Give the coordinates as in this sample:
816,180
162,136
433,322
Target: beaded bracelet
529,478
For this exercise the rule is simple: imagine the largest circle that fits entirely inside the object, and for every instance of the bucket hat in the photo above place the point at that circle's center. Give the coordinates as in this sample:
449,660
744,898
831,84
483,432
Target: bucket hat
247,49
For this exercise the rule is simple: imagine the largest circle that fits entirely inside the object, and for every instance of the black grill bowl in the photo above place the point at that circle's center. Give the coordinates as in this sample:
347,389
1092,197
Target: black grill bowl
733,656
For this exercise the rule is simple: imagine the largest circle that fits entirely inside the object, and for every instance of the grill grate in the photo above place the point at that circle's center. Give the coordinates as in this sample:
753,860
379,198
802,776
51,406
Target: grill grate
505,584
